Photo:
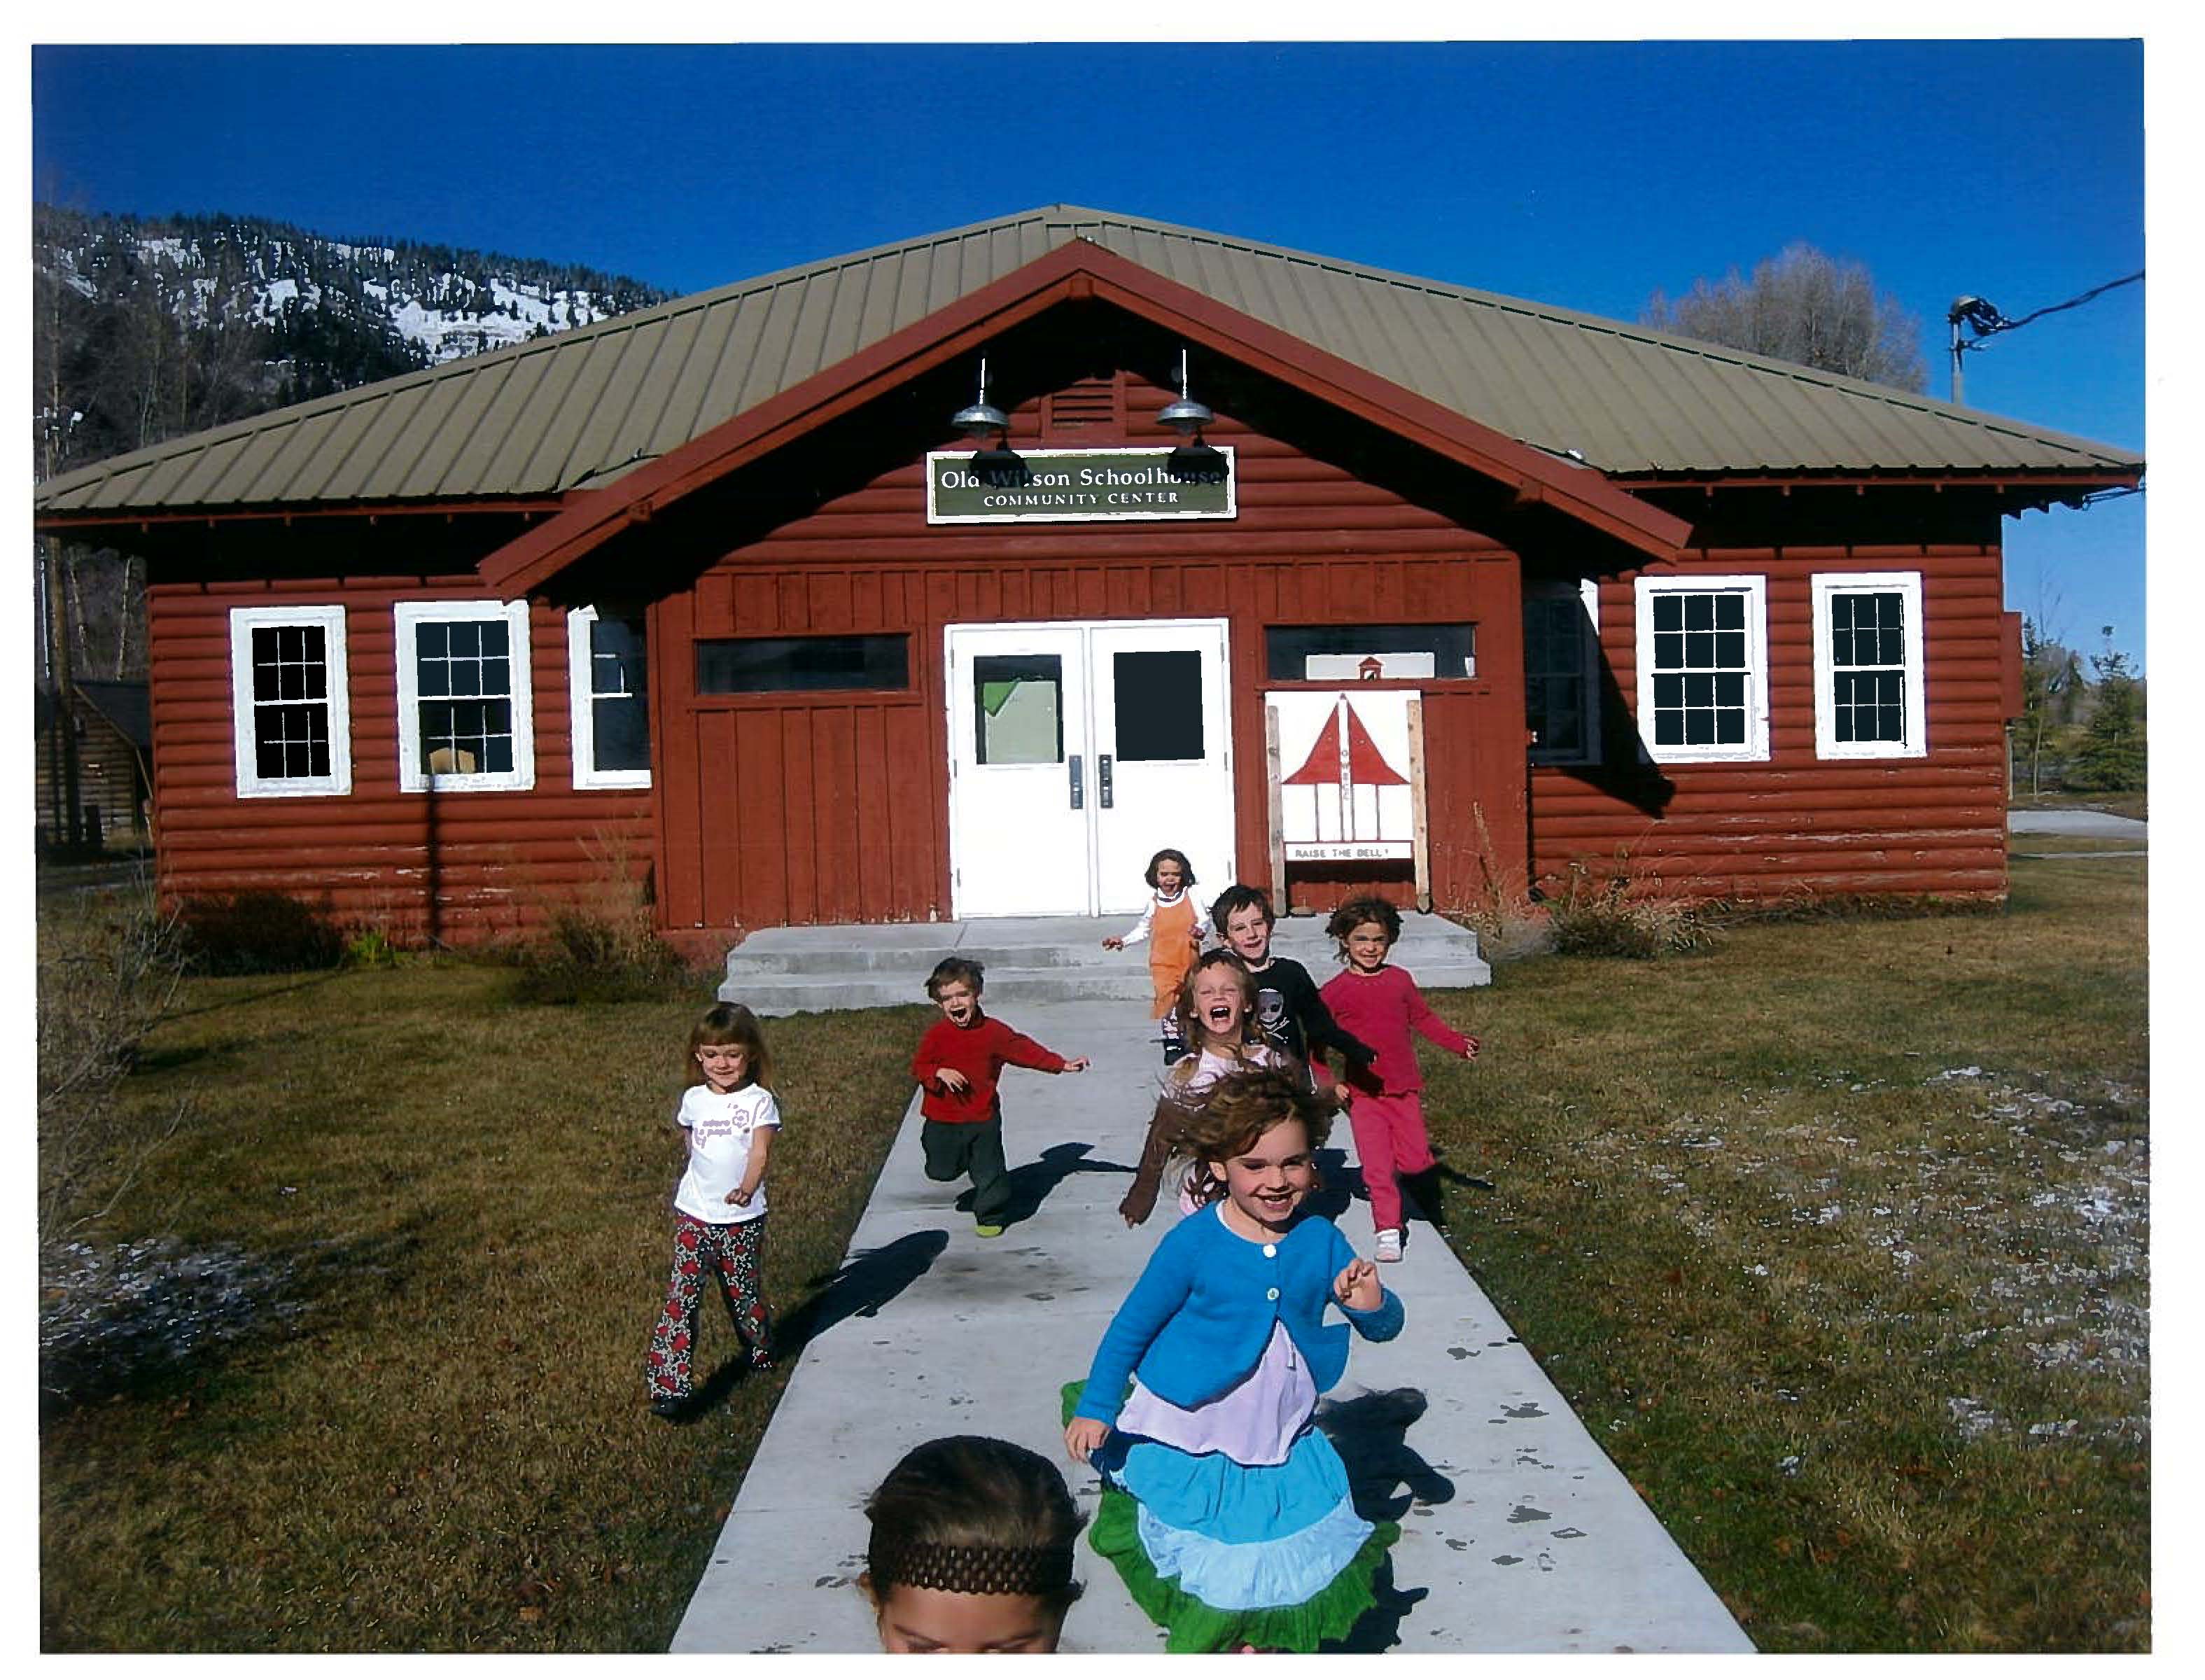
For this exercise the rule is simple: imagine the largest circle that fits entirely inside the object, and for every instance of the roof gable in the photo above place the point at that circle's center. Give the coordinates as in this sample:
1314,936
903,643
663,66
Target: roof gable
1076,271
582,409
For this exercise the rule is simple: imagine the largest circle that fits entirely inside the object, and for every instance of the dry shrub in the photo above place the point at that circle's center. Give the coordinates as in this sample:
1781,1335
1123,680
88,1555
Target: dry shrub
601,943
108,972
1507,921
1615,914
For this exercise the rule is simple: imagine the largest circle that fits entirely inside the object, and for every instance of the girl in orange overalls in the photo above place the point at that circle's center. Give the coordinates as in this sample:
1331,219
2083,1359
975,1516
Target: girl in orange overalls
1174,923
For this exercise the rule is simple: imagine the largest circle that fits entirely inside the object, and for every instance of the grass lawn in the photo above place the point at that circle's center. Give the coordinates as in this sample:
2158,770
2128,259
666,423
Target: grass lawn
1835,1238
1833,1234
452,1216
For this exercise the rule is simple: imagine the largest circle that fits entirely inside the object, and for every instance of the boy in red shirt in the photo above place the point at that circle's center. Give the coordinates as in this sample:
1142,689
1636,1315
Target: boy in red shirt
957,1066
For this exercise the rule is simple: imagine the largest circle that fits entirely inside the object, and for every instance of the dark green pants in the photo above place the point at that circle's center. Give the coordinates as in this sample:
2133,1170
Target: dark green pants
953,1151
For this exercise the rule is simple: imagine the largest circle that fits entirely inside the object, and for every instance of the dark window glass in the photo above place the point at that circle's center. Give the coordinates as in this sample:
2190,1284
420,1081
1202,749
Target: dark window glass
1288,648
291,741
619,732
1158,699
290,701
1557,660
1871,706
1700,668
464,680
773,664
619,707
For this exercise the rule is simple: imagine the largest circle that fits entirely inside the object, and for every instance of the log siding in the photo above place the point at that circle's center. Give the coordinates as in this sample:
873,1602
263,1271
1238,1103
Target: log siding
1798,822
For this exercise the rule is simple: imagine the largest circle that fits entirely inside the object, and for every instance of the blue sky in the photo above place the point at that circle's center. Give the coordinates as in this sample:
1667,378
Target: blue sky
1579,173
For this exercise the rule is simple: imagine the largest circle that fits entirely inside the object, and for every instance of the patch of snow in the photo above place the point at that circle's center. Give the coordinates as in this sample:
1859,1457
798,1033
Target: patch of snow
1974,1418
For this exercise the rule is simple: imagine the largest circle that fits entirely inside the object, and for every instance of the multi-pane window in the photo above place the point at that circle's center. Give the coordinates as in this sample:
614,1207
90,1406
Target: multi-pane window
1561,671
290,713
464,696
1868,665
609,699
1702,669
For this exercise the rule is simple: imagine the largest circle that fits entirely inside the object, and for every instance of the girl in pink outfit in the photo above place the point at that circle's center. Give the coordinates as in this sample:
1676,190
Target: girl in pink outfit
1379,1005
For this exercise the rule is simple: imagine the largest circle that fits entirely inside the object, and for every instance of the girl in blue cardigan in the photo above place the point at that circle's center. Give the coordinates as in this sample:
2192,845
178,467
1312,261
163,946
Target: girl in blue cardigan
1227,1514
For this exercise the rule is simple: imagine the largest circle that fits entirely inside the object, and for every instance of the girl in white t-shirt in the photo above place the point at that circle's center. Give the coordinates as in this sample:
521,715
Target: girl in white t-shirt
719,1206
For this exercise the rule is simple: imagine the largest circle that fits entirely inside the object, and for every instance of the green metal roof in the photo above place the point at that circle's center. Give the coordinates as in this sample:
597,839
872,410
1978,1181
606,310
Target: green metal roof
580,409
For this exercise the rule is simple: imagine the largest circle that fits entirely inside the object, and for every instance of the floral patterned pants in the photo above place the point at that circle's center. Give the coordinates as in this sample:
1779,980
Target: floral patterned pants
736,1254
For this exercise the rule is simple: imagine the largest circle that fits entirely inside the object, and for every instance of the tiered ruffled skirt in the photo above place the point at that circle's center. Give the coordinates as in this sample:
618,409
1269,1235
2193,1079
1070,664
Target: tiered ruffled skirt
1224,1555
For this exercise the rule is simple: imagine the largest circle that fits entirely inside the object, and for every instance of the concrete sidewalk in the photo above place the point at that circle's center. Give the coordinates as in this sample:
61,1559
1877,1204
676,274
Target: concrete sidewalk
1518,1534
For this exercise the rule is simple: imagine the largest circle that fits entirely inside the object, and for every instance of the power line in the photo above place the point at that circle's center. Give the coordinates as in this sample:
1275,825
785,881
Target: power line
1982,316
1997,323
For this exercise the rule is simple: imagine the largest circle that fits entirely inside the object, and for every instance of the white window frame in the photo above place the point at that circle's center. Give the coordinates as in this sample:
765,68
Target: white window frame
1587,592
581,711
412,778
251,784
1825,587
1755,588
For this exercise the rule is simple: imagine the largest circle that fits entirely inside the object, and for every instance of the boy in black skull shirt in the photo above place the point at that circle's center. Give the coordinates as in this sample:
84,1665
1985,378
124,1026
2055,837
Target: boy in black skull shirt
1289,1011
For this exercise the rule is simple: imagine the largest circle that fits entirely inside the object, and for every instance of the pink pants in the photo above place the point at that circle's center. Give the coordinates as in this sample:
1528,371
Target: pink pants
1390,1140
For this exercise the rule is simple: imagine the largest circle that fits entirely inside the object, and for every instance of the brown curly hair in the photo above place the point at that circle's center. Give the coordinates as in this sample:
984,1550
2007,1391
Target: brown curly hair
1355,912
1228,1118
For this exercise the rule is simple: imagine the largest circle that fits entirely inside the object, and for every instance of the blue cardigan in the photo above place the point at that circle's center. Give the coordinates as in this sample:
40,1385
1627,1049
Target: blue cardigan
1198,1320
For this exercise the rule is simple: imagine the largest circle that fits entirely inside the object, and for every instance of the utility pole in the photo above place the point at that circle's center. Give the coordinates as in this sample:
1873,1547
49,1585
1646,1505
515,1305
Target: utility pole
1983,316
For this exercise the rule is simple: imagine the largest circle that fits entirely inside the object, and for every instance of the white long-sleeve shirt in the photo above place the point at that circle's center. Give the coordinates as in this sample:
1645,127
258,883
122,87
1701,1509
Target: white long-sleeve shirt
1139,930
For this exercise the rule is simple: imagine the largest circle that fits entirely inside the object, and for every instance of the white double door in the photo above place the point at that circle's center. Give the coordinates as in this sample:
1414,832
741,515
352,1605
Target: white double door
1077,753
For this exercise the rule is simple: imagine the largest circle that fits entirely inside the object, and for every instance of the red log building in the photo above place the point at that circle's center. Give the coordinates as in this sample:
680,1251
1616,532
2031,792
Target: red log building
687,595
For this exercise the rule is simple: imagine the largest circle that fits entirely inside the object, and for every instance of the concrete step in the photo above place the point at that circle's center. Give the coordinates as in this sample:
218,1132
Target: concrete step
1033,959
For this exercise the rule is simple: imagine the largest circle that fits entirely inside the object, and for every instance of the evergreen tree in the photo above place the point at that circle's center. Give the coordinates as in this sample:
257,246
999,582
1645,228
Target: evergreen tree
2110,758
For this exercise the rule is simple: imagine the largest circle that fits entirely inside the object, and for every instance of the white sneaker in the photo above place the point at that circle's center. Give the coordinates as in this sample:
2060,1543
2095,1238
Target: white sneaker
1389,1245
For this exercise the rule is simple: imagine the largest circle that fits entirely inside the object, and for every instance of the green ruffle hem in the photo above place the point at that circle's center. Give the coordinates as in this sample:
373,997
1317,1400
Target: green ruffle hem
1191,1626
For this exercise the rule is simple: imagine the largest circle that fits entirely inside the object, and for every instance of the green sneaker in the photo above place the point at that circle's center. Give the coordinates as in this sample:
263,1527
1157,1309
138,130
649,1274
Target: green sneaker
985,1230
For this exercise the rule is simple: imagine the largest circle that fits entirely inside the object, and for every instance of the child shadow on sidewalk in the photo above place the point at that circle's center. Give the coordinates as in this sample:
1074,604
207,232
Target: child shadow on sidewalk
1033,1184
1369,1432
1340,1185
859,1288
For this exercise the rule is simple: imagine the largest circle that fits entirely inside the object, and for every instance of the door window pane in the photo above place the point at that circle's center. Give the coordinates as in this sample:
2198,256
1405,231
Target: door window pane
1017,709
1157,697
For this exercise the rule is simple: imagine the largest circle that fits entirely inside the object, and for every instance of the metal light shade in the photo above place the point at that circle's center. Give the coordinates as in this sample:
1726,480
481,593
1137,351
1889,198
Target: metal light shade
1184,415
981,420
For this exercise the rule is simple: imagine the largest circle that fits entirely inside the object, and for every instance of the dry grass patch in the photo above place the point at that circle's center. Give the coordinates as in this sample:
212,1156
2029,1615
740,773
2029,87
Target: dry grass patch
1835,1236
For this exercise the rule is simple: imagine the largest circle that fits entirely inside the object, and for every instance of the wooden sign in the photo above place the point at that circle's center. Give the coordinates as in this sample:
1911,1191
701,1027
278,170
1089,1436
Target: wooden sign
1065,485
1348,779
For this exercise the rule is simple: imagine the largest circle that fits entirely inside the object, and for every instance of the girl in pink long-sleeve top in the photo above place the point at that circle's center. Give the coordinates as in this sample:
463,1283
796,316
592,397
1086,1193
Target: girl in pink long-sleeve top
1381,1005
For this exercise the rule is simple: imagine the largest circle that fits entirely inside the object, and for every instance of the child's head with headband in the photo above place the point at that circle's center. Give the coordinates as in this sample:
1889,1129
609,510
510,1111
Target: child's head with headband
970,1550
